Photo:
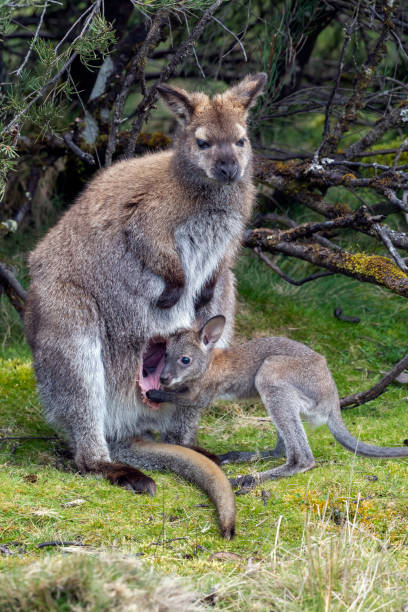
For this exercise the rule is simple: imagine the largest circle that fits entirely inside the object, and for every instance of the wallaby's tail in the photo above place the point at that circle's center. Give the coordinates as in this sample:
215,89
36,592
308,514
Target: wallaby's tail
342,435
196,468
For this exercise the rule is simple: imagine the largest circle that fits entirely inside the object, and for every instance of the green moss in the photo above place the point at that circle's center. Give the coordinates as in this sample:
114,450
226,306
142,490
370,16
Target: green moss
375,266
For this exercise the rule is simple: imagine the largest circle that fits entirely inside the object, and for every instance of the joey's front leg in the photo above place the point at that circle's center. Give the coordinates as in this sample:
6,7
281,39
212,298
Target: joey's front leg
184,421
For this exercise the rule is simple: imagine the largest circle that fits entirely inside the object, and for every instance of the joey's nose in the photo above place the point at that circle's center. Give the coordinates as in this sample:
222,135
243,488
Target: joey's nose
227,170
165,379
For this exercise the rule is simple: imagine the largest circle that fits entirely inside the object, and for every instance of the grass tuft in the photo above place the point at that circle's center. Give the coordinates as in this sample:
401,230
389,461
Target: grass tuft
104,582
332,570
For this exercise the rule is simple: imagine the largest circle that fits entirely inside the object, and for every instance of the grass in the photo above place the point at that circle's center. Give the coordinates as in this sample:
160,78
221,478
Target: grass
176,532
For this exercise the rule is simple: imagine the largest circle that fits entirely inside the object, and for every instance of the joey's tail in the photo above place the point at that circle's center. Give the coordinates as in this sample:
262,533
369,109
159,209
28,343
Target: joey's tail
341,433
196,468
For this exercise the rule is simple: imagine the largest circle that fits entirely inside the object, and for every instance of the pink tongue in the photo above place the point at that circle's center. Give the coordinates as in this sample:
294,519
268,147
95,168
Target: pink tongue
149,374
151,380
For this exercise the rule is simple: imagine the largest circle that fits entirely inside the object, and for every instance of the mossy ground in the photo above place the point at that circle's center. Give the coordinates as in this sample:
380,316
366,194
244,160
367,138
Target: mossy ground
177,531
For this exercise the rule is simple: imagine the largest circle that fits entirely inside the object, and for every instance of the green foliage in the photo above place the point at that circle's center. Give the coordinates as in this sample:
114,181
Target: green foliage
96,42
6,15
8,156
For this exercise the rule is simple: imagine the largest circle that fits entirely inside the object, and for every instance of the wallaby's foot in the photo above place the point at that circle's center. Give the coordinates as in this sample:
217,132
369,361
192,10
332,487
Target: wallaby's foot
129,477
250,481
170,296
206,453
206,294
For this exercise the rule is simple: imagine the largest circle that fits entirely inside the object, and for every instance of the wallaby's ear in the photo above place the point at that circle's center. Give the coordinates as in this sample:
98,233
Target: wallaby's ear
246,92
179,102
212,330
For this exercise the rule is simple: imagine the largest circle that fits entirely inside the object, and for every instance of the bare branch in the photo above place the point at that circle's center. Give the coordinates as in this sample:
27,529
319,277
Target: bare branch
34,40
87,157
14,291
148,101
382,232
373,269
289,279
136,67
362,397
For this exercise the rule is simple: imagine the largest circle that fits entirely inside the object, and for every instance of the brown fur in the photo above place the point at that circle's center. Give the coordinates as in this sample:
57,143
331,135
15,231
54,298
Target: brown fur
146,248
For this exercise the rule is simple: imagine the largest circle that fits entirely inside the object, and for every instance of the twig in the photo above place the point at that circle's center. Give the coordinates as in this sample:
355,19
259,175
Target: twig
287,278
362,397
361,84
87,157
34,40
14,291
6,438
58,543
135,68
326,129
385,237
233,35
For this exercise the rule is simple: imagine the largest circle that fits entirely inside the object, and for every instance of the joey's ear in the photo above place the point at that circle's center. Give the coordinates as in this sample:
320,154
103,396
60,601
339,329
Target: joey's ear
179,102
212,330
246,92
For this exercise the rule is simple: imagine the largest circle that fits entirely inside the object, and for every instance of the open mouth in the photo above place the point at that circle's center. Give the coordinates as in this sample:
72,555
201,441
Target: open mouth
150,369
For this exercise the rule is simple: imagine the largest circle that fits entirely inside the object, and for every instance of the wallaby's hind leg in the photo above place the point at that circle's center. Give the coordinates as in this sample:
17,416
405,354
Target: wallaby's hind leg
71,381
284,404
251,456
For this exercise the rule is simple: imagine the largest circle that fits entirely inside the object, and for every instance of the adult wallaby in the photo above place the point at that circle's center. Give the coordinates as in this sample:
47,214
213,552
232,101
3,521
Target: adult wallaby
144,250
290,378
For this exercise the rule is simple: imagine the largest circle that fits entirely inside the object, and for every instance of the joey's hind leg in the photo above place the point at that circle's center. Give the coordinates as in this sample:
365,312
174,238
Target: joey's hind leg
283,402
251,456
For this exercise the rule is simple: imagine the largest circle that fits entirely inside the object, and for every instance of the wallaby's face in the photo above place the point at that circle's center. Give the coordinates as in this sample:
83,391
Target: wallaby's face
213,137
188,354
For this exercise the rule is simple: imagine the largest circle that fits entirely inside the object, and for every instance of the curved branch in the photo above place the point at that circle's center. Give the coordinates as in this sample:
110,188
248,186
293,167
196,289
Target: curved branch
356,399
12,288
373,269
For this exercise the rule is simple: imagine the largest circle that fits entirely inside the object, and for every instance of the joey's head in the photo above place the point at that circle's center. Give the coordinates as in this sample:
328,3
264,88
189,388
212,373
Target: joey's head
213,144
188,354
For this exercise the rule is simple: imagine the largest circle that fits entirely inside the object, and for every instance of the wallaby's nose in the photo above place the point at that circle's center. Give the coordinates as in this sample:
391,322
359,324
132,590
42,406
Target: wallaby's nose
165,379
227,170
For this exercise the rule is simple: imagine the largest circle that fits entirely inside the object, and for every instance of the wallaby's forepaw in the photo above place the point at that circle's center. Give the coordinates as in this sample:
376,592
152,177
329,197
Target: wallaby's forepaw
206,453
170,296
206,294
129,477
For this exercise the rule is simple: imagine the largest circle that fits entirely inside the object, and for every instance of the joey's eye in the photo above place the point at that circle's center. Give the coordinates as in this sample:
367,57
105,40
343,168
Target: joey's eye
185,360
240,142
203,144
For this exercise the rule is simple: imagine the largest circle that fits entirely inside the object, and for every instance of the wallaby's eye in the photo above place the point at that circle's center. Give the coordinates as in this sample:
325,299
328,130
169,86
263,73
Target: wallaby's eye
185,360
203,144
240,142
